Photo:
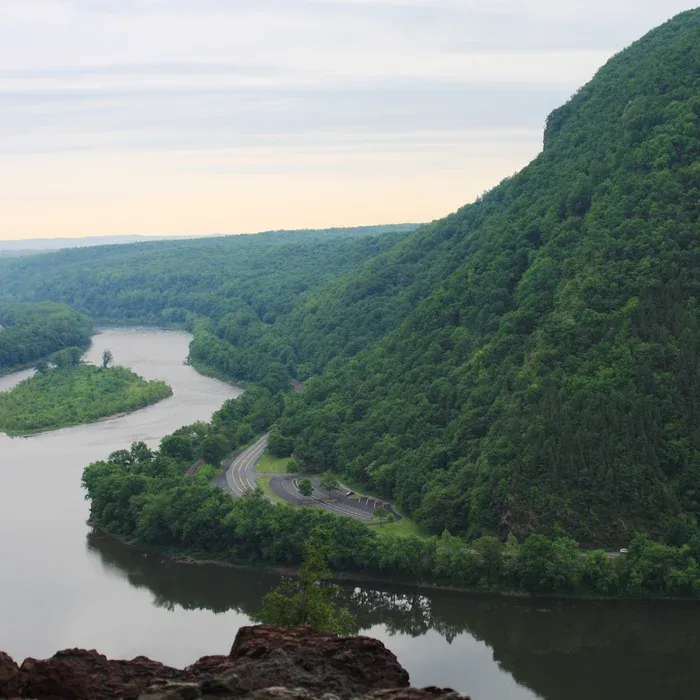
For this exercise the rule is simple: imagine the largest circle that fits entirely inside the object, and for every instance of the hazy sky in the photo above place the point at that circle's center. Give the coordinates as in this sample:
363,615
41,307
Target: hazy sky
201,116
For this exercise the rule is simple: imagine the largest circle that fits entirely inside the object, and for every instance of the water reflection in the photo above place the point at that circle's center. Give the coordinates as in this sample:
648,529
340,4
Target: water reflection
52,595
55,592
573,650
190,587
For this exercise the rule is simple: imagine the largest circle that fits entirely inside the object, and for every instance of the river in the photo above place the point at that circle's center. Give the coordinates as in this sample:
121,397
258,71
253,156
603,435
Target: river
62,585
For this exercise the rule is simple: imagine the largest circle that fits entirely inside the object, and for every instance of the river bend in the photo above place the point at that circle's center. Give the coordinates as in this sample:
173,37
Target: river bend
62,585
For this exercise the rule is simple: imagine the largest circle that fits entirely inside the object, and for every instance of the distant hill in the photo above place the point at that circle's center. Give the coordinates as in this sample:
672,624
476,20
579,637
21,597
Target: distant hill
218,287
29,246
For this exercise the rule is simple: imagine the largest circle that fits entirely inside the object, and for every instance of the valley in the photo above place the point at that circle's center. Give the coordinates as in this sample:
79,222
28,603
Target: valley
484,428
101,590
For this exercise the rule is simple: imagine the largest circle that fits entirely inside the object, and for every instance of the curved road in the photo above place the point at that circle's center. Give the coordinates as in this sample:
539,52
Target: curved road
240,478
286,487
240,475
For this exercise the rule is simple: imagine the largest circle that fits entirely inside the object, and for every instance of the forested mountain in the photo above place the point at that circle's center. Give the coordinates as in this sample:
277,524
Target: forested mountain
34,331
230,291
552,377
165,280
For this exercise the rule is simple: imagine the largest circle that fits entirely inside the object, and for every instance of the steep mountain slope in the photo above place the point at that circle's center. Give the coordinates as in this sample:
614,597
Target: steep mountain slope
552,376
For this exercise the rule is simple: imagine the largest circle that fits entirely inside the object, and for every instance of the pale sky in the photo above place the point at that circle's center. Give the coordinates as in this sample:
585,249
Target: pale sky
170,117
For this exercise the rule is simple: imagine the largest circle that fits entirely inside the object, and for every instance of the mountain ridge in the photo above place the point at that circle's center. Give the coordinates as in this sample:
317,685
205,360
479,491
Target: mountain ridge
564,342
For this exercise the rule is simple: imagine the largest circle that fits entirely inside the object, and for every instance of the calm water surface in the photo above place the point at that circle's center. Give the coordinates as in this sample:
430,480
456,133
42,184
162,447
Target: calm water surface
64,586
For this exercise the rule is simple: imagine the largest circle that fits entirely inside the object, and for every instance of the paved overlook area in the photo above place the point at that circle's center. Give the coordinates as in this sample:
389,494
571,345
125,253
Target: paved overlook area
241,478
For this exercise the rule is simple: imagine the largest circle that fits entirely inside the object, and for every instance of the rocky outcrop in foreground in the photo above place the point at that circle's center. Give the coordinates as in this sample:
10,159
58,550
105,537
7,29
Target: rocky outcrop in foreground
265,663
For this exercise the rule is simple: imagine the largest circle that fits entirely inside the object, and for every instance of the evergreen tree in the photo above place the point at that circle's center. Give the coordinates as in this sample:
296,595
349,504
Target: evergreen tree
306,601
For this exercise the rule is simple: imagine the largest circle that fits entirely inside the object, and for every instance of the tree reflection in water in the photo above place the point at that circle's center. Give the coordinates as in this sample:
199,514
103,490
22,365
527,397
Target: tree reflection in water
571,650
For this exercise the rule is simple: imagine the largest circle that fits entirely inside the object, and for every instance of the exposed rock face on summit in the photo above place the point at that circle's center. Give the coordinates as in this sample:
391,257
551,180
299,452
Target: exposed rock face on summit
265,663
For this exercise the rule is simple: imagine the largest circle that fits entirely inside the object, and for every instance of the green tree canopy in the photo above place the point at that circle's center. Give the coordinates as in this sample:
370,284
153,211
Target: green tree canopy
306,600
29,332
306,488
329,482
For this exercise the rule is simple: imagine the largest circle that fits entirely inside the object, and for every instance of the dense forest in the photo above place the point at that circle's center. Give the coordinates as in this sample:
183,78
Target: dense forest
546,645
152,498
552,380
230,291
529,364
29,332
72,393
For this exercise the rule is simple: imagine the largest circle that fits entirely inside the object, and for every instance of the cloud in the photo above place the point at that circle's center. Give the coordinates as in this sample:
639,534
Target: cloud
419,90
33,12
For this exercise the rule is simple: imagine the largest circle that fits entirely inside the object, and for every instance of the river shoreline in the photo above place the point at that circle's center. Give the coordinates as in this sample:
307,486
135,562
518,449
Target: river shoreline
344,577
111,416
213,373
80,588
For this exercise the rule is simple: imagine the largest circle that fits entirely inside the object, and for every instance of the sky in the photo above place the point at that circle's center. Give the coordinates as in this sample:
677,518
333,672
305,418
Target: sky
174,117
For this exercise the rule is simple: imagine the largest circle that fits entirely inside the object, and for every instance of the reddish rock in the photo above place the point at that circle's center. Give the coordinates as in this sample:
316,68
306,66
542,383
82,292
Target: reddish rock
9,677
265,663
320,662
208,666
76,674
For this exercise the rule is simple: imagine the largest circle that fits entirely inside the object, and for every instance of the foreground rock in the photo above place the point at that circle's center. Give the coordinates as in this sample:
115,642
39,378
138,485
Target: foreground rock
265,663
9,676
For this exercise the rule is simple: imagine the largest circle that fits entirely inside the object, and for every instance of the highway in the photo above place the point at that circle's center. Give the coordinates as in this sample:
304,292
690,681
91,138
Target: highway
240,479
240,476
286,486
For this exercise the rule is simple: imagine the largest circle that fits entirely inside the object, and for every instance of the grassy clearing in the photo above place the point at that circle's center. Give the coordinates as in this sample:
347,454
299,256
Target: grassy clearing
402,527
399,528
264,484
272,465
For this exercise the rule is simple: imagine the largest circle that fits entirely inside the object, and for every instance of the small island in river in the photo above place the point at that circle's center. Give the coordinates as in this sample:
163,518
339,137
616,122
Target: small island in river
71,392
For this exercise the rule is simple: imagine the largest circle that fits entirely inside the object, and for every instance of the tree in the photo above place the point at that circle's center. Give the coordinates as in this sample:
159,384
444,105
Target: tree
42,366
599,572
379,513
534,559
293,466
107,358
491,550
68,357
306,488
565,566
214,448
279,445
329,482
178,447
306,601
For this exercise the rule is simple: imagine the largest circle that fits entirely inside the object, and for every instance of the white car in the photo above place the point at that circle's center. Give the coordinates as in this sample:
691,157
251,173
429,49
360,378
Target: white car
624,551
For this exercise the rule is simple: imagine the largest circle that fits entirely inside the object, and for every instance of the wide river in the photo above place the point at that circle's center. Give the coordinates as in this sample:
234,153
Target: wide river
63,586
